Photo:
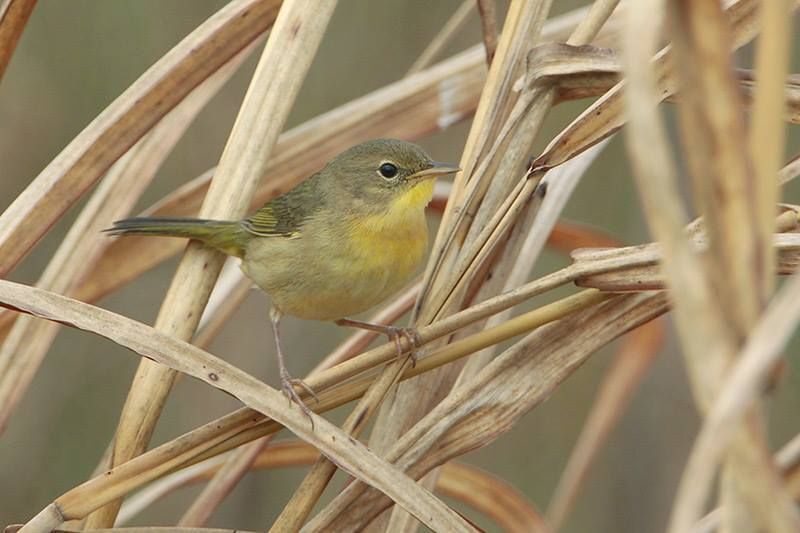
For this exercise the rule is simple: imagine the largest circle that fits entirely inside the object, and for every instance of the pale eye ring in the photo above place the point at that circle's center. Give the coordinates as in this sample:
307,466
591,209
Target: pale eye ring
387,170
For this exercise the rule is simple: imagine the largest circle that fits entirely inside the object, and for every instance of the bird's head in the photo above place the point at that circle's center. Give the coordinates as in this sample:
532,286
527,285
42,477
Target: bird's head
386,173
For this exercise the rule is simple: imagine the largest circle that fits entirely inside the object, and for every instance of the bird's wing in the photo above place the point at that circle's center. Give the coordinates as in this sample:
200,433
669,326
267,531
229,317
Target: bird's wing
282,216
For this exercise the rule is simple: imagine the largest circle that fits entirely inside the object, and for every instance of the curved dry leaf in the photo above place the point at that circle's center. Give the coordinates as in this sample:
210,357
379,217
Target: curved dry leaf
560,62
123,123
349,454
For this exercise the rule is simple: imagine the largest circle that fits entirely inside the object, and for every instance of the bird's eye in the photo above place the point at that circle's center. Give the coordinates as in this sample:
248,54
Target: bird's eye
387,170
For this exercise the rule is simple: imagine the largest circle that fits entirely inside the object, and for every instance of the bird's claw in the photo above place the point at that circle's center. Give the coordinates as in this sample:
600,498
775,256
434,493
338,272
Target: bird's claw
288,386
411,335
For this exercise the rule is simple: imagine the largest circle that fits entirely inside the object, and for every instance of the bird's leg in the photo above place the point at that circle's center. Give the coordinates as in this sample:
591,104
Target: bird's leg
392,332
287,381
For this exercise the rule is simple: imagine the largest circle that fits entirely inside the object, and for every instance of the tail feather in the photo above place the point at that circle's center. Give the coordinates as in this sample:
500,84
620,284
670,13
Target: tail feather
227,236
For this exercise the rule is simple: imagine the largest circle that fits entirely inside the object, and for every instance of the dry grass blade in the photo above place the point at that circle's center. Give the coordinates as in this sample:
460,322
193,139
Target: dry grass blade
489,205
742,387
790,170
245,425
349,454
308,493
488,12
489,404
767,132
706,340
473,486
523,23
606,115
495,103
283,65
129,117
713,132
14,16
527,242
23,350
590,25
713,127
730,192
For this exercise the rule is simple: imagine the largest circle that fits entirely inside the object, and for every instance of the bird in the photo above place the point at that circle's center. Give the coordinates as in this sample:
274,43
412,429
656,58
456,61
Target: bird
344,240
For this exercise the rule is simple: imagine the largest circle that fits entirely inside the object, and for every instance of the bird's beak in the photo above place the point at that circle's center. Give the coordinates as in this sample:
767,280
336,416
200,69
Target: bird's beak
436,169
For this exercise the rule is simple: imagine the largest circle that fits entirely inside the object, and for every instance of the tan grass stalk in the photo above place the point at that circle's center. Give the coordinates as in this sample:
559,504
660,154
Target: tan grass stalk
706,341
29,339
233,430
534,229
475,487
488,119
642,273
508,131
490,403
488,12
287,55
790,170
354,457
124,122
727,191
296,512
14,15
606,115
189,448
523,23
767,136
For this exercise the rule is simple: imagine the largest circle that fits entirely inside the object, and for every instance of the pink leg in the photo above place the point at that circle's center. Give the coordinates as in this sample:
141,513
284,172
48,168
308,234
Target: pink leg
287,381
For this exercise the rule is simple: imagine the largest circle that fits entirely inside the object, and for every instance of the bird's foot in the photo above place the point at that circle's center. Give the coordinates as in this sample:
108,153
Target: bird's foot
394,334
411,335
288,386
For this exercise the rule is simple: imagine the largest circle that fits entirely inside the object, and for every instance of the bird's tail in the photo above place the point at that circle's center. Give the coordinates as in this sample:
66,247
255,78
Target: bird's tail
227,236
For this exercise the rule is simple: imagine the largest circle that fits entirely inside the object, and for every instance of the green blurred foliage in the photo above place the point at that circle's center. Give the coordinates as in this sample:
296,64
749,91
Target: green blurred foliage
76,57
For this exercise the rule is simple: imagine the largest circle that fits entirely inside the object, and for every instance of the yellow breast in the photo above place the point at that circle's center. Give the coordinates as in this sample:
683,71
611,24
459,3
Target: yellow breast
395,242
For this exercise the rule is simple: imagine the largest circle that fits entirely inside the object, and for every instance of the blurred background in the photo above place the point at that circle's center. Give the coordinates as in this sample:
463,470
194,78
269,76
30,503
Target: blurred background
76,57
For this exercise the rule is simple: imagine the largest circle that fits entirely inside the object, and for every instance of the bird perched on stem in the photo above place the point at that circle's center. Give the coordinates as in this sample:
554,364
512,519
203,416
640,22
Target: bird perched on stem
339,243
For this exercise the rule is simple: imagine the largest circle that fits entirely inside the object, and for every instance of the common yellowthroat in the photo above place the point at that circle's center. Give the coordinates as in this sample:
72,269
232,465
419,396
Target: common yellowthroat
339,243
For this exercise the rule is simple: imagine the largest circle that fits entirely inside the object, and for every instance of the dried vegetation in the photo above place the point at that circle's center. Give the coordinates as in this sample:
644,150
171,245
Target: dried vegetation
715,275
